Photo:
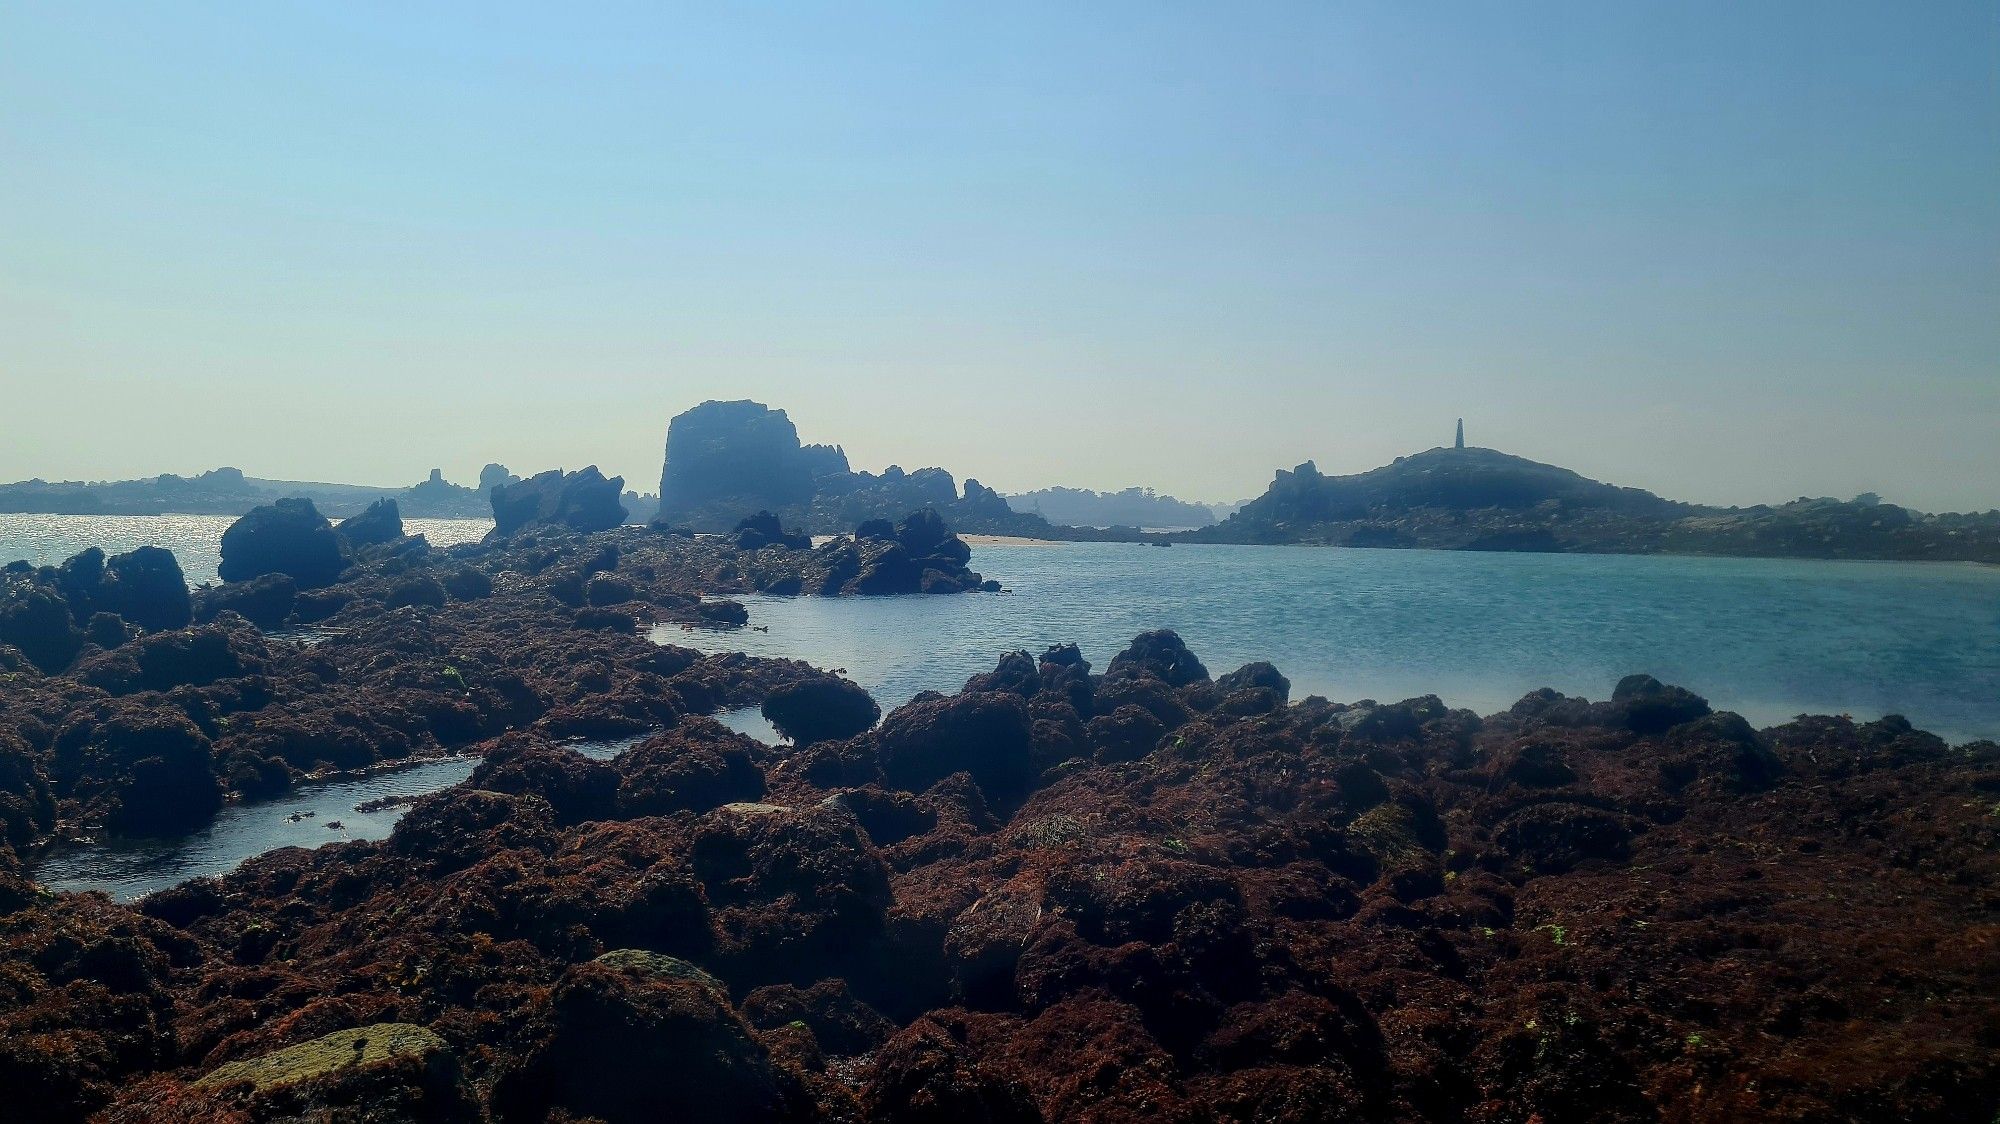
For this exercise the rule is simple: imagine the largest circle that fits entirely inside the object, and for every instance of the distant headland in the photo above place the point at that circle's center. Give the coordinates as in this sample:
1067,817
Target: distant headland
1470,498
227,491
728,460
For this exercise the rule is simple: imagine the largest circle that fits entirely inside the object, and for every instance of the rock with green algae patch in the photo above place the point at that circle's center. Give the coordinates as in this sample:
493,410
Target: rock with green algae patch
646,962
359,1048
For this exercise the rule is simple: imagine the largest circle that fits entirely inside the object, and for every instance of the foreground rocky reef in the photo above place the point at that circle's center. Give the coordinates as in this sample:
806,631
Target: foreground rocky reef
1140,894
130,705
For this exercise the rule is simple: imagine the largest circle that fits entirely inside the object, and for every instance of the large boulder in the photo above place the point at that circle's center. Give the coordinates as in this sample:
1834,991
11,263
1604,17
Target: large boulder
624,1043
986,735
288,537
144,586
697,765
35,620
1159,654
931,543
144,769
581,501
1647,706
381,522
147,588
758,531
820,709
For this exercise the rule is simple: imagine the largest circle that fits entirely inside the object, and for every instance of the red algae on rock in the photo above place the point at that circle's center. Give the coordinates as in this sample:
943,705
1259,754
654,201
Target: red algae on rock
1149,895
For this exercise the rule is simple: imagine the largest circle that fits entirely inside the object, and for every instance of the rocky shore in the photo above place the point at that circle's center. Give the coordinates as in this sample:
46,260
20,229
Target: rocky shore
130,704
1144,893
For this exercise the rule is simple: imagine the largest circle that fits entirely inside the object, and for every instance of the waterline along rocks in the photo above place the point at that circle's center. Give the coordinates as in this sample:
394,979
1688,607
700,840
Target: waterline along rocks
133,707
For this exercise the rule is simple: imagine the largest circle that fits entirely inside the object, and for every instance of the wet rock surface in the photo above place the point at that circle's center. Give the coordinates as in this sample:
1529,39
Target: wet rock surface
1057,895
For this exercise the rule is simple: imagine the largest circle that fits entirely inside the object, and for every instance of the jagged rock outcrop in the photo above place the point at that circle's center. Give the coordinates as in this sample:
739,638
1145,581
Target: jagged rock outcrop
581,501
381,522
727,460
288,537
144,586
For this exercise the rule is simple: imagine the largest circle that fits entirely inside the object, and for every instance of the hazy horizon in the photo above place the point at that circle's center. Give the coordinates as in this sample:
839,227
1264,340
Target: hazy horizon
1730,256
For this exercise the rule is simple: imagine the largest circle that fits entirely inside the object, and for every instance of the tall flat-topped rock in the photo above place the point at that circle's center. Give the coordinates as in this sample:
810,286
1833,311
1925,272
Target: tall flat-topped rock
741,453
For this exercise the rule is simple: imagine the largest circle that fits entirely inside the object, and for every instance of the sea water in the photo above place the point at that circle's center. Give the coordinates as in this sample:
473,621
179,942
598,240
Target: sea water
1768,638
196,540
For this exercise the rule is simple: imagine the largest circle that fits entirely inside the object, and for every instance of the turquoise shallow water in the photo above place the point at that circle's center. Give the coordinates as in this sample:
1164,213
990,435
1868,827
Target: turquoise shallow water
1768,638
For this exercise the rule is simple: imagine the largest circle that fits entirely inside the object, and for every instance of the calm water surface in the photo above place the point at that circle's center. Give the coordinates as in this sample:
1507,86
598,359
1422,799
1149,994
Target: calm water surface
1768,638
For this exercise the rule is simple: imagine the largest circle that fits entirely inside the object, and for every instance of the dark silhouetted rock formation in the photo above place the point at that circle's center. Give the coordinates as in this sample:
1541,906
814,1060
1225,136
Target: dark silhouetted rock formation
743,455
381,523
763,529
580,501
728,460
288,537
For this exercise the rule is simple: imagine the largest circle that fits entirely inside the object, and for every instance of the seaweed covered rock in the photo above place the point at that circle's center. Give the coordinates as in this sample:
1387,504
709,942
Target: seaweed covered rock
627,1045
35,620
697,765
287,537
265,601
580,501
985,735
1648,706
189,657
575,787
27,810
821,708
927,1075
1161,655
142,769
145,587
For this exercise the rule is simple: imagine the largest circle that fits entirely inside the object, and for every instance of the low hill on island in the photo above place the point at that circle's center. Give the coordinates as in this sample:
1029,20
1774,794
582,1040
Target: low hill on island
228,491
1132,507
1483,499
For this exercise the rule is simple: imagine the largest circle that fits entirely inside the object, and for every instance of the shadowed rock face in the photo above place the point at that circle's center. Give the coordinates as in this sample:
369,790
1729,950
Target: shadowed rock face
739,453
579,501
288,537
729,460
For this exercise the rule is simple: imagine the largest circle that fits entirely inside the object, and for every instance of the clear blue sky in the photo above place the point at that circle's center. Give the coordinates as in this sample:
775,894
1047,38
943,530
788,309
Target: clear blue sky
1730,252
